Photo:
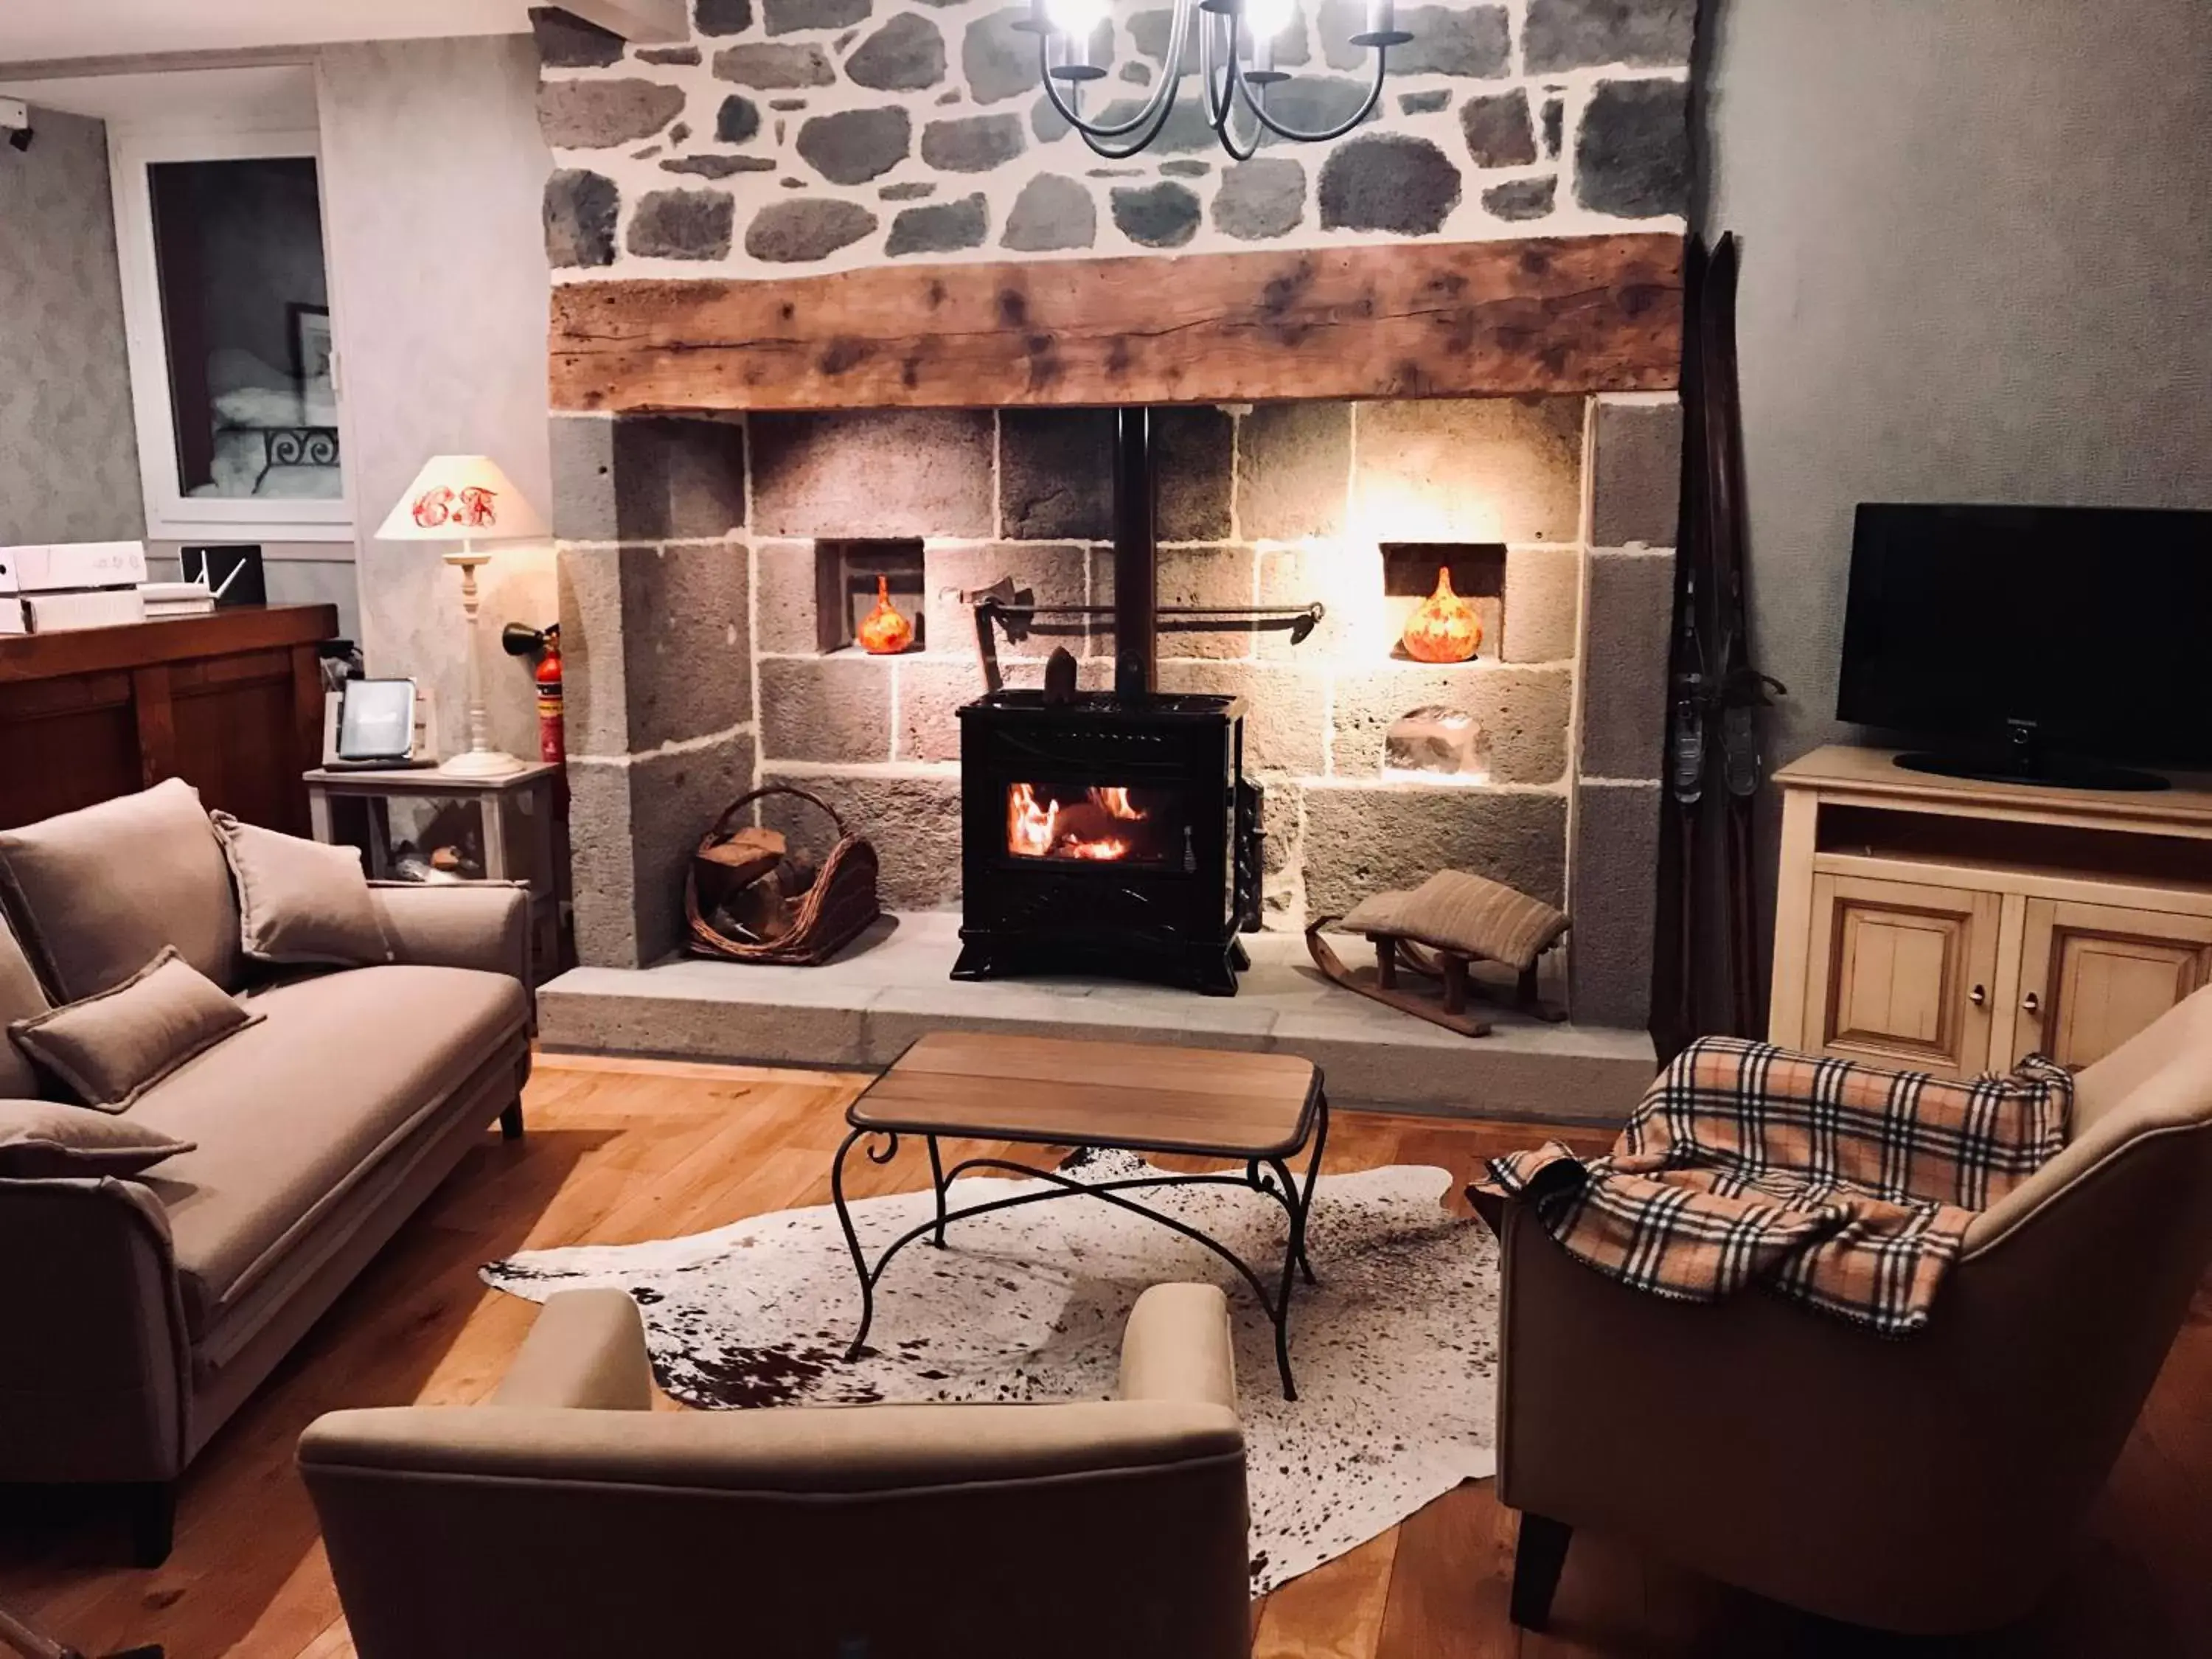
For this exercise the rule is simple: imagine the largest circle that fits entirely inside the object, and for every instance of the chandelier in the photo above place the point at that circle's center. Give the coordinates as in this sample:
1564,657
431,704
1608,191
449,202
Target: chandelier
1236,92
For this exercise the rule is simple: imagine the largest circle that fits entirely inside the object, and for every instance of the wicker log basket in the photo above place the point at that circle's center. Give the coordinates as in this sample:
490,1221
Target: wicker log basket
836,904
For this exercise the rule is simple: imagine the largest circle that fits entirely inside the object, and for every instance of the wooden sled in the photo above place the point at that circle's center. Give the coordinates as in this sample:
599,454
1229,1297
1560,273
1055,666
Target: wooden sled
1475,913
1381,982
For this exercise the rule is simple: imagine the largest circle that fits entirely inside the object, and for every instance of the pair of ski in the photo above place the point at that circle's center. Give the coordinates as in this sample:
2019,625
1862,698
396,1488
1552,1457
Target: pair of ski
36,1644
1709,955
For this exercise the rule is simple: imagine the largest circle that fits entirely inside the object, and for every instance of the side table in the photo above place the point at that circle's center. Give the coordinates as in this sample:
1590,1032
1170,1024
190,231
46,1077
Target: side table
511,820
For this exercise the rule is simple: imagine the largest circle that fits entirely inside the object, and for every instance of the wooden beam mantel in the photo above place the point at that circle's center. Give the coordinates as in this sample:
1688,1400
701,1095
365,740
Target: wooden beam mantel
640,23
1589,314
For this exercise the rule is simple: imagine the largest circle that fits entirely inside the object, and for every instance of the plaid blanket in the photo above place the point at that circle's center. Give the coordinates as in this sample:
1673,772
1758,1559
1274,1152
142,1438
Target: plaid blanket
1848,1187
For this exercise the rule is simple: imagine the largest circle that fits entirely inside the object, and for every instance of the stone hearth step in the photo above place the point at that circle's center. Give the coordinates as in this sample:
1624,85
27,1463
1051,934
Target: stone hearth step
862,1011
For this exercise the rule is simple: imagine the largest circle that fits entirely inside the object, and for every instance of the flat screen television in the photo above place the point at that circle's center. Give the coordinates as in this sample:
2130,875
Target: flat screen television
2034,642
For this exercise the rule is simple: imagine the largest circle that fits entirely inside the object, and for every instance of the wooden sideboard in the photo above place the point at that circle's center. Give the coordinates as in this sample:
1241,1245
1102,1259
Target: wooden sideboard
1954,926
231,702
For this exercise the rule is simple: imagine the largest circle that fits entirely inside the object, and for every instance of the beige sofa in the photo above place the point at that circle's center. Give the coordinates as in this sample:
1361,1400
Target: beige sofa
1929,1485
566,1521
139,1314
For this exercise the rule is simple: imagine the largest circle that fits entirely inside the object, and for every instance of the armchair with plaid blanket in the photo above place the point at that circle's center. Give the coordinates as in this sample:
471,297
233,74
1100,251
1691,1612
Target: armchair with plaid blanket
1927,1480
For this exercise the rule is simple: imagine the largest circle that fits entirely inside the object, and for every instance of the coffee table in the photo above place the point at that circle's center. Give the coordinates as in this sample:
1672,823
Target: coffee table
1139,1097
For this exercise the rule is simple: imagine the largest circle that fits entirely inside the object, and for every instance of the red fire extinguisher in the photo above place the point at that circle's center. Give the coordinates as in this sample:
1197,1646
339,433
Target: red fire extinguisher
550,746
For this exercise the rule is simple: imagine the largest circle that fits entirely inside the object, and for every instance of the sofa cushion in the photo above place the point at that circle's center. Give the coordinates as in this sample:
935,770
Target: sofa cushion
110,1048
45,1140
95,893
300,901
290,1115
20,999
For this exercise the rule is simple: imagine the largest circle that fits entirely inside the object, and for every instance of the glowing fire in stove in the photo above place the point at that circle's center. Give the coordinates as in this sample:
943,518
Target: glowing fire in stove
1047,830
1029,825
1116,803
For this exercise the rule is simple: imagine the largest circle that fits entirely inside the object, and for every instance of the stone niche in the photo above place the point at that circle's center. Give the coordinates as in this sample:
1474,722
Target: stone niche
707,573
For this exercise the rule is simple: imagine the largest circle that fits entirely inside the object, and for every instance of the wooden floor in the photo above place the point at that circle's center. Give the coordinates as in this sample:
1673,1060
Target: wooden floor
618,1154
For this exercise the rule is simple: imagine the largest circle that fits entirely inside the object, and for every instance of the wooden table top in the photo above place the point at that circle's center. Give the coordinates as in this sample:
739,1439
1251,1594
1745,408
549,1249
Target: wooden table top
1143,1096
1846,768
421,779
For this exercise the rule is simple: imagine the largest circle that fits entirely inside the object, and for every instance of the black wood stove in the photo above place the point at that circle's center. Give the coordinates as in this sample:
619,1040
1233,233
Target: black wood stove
1110,832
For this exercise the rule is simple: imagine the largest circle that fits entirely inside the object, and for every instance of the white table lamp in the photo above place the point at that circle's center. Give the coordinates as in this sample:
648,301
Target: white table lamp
467,499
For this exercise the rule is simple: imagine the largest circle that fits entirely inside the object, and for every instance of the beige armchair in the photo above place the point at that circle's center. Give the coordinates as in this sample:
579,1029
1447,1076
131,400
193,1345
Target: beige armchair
565,1518
1929,1486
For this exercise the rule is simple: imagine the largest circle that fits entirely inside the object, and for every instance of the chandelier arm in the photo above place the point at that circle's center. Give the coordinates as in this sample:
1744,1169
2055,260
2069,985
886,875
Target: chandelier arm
1259,111
1217,109
1221,109
1155,111
1221,117
1098,146
1135,147
1251,144
1228,144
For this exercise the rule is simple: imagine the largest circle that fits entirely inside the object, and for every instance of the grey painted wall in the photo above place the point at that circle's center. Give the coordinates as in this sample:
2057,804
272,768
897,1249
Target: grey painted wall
433,168
1977,266
68,457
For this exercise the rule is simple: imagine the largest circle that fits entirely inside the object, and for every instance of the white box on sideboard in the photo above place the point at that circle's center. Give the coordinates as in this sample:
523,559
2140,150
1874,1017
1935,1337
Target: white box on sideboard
44,568
97,607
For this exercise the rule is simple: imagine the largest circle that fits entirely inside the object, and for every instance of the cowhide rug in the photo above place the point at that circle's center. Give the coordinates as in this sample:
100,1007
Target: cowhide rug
1395,1351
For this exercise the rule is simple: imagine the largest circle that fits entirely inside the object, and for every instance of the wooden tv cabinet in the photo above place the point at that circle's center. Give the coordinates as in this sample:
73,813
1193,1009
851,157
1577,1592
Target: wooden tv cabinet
1953,926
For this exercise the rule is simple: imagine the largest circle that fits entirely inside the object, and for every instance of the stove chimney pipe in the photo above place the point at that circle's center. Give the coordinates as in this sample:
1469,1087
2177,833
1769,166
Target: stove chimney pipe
1136,587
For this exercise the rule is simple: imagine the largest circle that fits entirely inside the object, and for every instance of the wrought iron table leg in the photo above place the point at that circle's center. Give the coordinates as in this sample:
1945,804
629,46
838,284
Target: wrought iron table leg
1294,1252
853,1243
937,1180
1313,1175
1274,1179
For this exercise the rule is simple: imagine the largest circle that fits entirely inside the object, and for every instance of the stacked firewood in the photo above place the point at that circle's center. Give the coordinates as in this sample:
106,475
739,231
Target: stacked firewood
750,886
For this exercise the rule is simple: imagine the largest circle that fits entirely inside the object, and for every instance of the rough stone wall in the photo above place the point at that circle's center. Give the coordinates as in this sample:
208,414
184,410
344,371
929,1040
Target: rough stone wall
823,134
692,643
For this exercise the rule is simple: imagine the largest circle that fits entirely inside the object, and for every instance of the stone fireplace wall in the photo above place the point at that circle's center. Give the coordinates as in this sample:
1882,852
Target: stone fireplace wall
816,135
691,556
791,137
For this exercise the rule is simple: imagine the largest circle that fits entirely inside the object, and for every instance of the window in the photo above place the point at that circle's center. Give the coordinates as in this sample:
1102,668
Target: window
226,302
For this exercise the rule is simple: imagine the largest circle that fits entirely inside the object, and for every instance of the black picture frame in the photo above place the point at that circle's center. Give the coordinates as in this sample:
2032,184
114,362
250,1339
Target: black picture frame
308,341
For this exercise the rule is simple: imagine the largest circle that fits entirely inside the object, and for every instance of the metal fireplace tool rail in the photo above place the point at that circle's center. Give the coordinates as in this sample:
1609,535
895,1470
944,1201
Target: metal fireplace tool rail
1136,610
1002,604
1274,1180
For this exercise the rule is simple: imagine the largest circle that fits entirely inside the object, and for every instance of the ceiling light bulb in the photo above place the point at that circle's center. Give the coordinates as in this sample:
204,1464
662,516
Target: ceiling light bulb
1075,18
1268,18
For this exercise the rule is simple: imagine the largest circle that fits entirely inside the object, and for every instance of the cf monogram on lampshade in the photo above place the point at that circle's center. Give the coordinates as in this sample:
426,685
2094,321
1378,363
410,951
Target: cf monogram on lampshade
467,499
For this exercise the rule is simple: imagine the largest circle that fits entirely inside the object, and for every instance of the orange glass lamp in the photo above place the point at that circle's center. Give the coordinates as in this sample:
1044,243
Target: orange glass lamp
1446,627
467,499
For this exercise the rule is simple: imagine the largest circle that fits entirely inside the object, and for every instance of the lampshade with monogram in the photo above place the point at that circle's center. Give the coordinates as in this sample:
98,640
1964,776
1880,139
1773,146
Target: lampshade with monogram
463,498
467,499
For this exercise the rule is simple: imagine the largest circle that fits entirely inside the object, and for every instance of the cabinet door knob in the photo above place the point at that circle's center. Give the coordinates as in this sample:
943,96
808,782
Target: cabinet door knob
2031,1005
1978,996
